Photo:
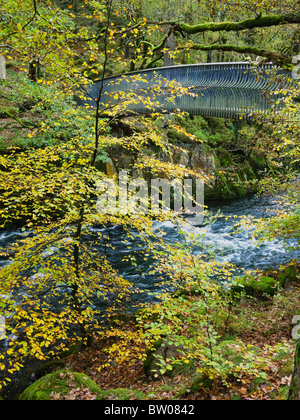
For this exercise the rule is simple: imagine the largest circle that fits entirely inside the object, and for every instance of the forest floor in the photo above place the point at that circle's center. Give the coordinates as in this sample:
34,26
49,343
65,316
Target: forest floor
264,324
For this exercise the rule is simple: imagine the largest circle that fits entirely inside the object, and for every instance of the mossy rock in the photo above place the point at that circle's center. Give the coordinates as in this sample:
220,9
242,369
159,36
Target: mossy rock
60,384
166,350
201,381
149,362
48,367
194,290
247,173
173,134
123,394
225,159
258,162
288,275
287,368
256,287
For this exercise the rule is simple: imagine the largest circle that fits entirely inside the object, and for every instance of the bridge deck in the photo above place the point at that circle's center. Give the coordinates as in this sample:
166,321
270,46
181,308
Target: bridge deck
228,90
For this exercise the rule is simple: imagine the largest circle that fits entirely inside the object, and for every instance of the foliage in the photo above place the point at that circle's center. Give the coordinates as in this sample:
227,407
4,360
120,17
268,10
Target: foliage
48,289
283,154
187,327
49,286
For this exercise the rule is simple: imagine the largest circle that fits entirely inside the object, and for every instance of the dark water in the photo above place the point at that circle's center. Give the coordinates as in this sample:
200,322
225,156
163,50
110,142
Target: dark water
238,249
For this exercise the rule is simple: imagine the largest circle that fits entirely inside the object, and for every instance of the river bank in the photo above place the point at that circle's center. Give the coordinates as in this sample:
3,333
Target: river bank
259,327
252,320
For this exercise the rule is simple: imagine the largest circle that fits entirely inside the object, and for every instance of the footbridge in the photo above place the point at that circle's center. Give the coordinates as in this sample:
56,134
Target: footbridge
226,90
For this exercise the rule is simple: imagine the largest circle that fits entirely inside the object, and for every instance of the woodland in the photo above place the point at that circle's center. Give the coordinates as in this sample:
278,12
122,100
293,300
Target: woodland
74,328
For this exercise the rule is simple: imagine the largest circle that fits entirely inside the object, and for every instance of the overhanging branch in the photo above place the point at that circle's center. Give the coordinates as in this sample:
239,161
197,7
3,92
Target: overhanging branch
275,57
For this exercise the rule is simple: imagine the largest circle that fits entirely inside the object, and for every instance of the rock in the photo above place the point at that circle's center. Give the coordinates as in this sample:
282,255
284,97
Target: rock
256,286
258,162
294,391
179,155
231,173
288,276
203,160
68,385
162,350
110,168
63,385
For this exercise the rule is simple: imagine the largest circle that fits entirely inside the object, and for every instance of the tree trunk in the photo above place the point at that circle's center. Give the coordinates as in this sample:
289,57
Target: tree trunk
34,70
168,55
294,392
2,68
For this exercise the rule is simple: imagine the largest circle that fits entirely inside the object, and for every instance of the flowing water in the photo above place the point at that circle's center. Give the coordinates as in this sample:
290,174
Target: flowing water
218,237
238,249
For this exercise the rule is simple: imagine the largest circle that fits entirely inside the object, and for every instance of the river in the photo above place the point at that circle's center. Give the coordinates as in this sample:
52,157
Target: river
218,237
238,249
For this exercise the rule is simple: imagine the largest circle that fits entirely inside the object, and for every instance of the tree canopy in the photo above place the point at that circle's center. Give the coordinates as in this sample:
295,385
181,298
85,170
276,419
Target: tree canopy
50,181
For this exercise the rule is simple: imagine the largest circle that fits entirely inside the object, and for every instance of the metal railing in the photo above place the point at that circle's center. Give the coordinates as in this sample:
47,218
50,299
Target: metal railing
227,90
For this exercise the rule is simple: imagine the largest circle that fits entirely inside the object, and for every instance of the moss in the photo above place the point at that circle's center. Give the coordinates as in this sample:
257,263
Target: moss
294,391
225,159
281,394
123,394
287,368
232,179
201,381
222,189
173,134
193,124
246,173
60,382
258,162
276,57
257,22
256,382
256,287
236,397
149,362
287,275
63,381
